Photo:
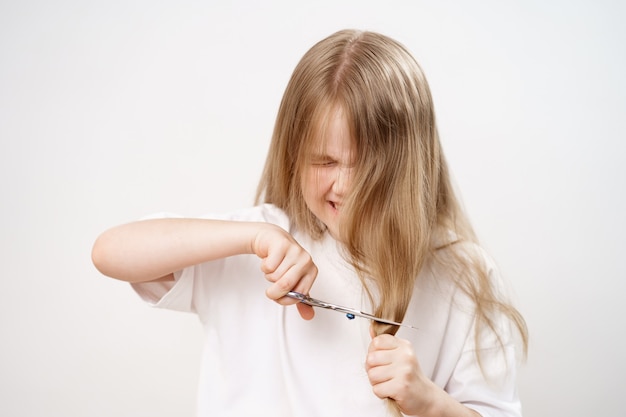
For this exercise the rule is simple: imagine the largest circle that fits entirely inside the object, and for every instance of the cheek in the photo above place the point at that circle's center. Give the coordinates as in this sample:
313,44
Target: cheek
313,183
307,184
348,178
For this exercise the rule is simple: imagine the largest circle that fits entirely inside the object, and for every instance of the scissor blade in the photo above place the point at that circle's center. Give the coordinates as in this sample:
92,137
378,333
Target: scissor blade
305,299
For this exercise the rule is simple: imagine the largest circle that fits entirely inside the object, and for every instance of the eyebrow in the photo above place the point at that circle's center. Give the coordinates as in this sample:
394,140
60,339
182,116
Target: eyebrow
322,156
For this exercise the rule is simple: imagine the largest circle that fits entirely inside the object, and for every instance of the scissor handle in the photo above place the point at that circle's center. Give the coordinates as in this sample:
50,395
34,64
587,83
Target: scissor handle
303,298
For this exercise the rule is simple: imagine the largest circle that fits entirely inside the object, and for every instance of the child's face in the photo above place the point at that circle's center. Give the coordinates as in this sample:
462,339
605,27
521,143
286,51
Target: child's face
328,172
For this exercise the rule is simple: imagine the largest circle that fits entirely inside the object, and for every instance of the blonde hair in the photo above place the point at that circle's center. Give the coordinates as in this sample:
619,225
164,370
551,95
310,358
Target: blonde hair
401,199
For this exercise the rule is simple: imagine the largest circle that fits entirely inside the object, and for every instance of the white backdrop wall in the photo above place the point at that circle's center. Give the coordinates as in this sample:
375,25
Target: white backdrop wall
110,110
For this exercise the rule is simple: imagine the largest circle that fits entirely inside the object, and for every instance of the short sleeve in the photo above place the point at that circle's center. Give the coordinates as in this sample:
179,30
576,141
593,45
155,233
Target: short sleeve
488,386
485,376
170,295
181,294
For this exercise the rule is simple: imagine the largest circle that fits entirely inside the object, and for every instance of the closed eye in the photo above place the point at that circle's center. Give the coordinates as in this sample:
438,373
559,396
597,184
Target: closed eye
324,163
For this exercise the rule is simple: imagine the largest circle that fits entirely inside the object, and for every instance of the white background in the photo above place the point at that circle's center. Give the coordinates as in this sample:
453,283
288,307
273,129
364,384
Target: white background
110,110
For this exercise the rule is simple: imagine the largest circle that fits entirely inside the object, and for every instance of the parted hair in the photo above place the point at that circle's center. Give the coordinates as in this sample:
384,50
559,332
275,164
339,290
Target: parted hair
401,210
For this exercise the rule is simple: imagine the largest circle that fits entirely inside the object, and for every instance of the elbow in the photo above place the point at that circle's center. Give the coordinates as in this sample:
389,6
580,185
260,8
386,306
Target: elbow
100,256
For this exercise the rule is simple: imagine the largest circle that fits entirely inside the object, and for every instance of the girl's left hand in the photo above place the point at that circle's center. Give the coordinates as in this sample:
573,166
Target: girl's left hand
394,372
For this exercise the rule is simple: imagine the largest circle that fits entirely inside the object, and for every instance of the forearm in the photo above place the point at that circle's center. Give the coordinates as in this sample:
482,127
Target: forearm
150,249
443,405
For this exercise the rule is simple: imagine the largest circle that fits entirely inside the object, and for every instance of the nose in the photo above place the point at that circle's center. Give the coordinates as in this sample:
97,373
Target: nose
342,180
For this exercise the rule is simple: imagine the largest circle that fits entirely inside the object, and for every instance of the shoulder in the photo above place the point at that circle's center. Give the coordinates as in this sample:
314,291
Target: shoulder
462,256
464,270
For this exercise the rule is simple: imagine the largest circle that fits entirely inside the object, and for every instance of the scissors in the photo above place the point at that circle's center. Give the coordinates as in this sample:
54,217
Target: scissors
350,313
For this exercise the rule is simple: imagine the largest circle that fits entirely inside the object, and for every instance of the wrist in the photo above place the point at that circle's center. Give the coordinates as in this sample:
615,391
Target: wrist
258,241
443,405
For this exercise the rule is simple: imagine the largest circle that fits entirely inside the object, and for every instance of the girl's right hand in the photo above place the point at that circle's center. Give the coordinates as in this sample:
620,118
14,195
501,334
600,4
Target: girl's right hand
286,265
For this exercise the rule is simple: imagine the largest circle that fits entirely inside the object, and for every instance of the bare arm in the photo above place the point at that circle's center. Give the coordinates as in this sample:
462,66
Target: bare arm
149,250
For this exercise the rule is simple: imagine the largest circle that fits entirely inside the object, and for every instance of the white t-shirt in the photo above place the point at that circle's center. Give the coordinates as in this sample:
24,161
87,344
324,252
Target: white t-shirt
261,358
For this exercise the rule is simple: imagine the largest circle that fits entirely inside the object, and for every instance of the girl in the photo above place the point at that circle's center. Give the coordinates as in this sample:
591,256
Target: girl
356,207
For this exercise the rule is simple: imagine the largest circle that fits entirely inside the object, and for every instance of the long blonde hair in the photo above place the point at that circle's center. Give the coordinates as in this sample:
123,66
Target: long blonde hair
401,199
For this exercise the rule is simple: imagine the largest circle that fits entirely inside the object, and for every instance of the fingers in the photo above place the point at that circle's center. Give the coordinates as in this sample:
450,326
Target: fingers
281,287
289,264
306,311
393,371
387,357
286,265
384,342
381,354
295,279
380,366
272,262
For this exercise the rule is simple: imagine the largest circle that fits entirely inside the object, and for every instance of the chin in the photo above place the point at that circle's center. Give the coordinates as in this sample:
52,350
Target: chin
334,233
